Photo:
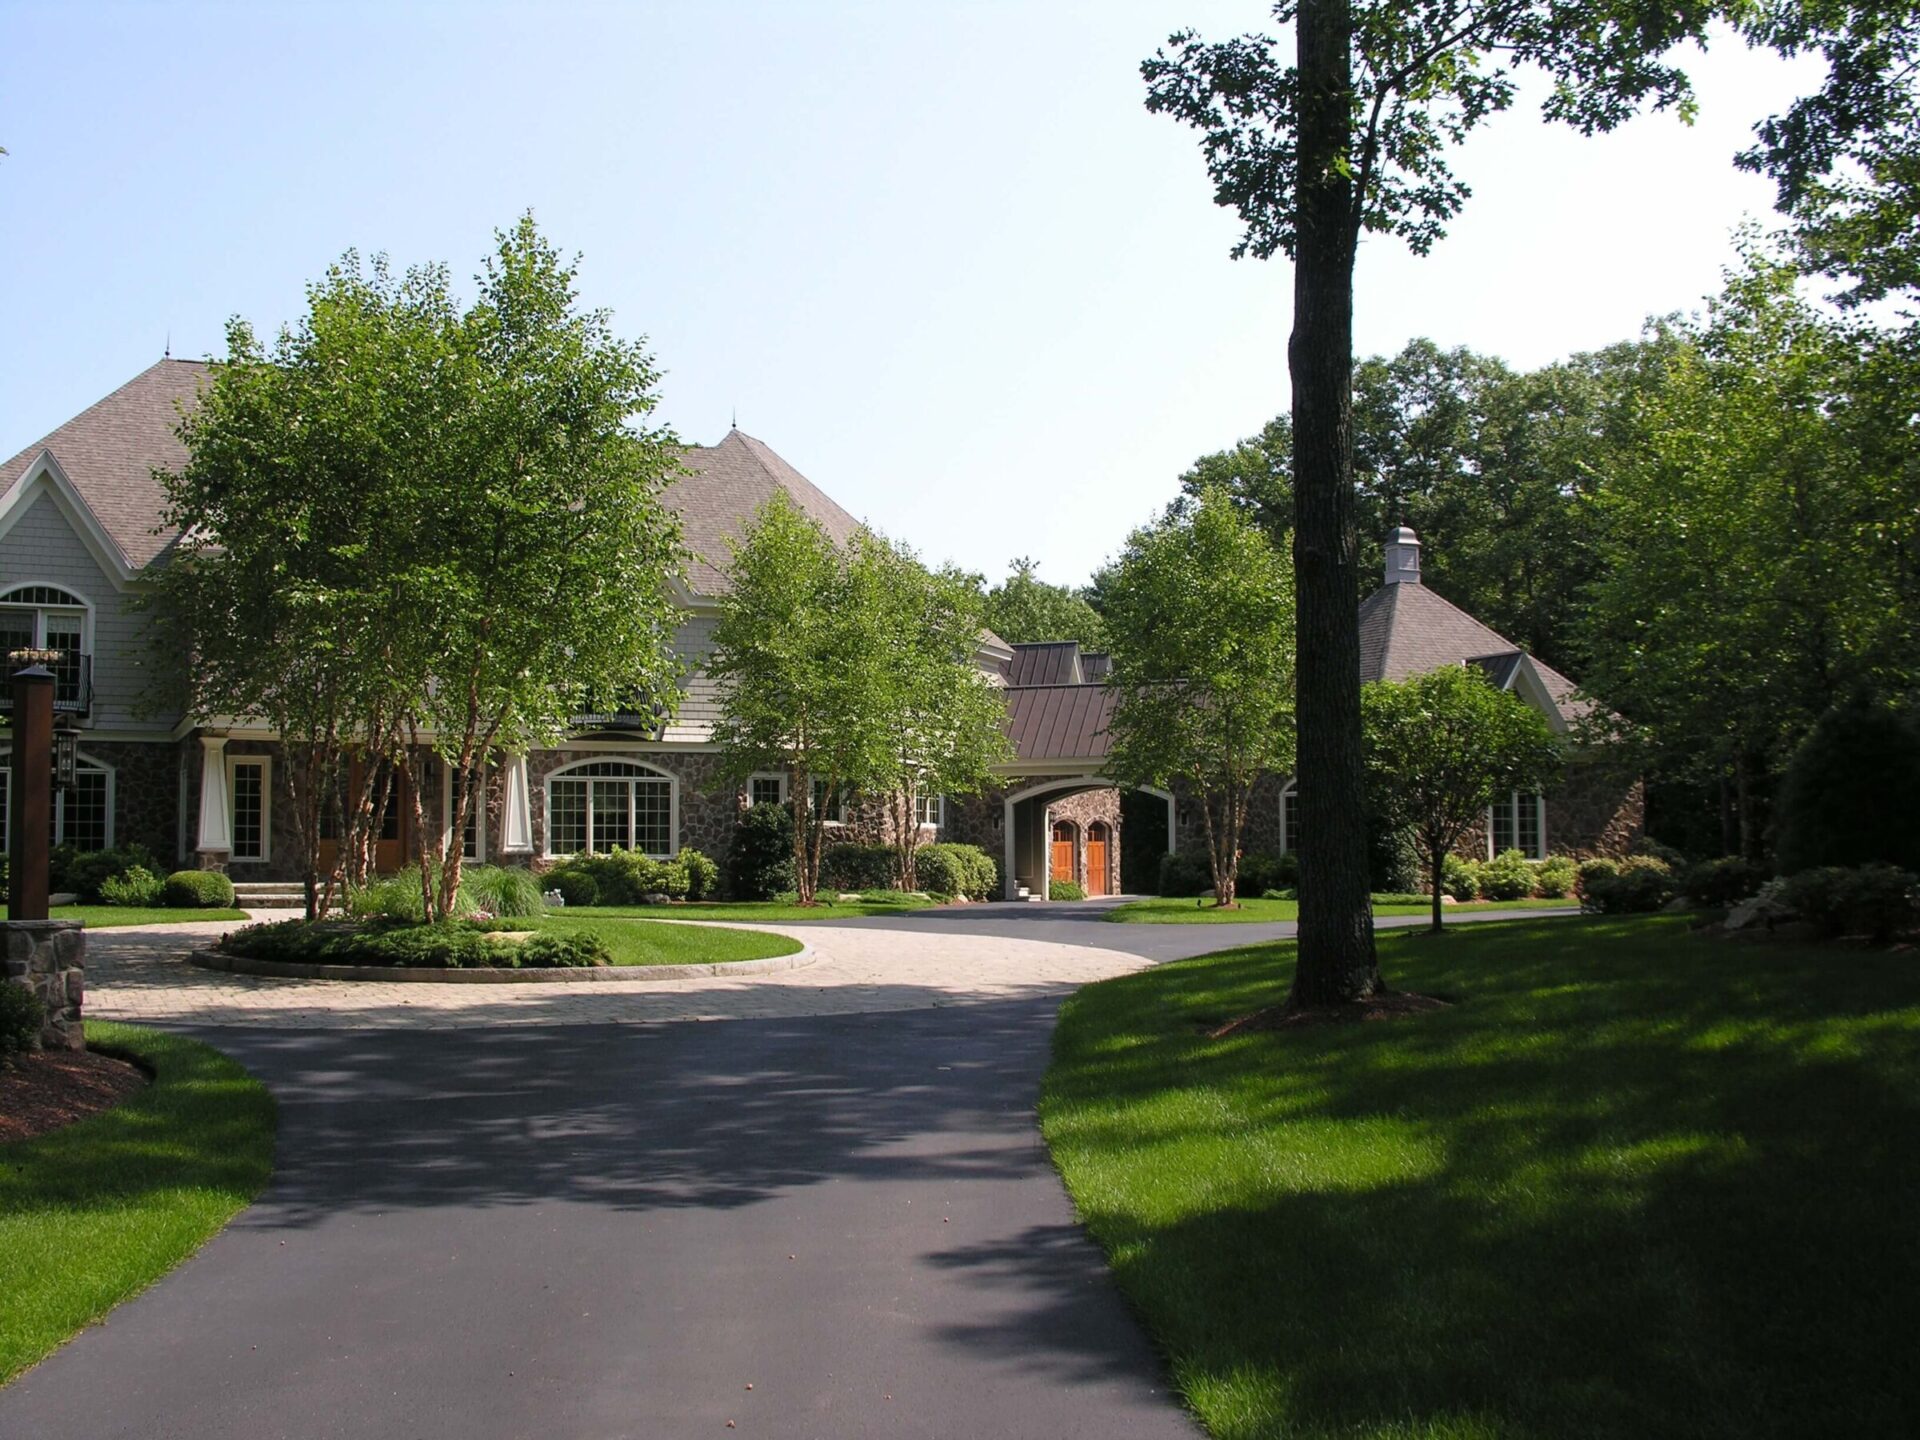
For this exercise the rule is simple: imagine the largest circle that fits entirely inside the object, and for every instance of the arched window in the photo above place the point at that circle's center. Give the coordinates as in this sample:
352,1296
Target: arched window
1290,818
82,816
46,617
595,806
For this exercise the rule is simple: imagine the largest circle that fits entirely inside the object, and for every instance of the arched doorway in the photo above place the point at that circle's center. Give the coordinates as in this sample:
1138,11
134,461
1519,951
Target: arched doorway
1063,866
1098,882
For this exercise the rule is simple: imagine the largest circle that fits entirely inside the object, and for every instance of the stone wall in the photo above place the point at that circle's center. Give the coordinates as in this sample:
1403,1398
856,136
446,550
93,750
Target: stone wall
1259,836
1081,811
49,957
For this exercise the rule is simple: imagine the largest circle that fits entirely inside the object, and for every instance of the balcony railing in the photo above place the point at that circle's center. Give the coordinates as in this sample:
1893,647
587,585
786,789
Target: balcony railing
622,712
72,683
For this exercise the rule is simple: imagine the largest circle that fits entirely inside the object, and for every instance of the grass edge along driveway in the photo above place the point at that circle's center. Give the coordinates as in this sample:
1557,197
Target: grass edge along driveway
661,940
1635,1183
114,917
1258,910
92,1214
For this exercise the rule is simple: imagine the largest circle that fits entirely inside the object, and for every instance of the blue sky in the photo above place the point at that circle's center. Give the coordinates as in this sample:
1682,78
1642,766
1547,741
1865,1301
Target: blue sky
938,256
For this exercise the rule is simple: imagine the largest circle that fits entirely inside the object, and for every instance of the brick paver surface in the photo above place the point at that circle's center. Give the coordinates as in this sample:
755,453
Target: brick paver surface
142,974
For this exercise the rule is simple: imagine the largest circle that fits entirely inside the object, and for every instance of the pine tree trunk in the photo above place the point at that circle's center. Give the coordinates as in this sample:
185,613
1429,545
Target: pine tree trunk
1337,961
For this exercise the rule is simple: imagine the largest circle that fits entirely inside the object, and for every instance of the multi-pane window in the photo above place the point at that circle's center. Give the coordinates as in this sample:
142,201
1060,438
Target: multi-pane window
248,783
1519,822
473,834
766,789
1290,820
928,809
609,805
832,807
43,617
82,816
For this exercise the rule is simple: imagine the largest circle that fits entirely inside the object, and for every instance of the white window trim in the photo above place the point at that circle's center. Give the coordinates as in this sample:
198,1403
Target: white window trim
939,813
840,802
1289,795
777,776
546,807
1512,800
40,609
476,809
84,762
265,762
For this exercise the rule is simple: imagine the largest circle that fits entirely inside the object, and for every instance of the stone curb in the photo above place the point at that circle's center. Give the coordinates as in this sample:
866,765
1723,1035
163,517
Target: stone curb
555,975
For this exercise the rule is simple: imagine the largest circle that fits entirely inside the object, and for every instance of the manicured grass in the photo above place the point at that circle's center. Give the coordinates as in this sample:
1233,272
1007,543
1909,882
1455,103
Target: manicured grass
94,1213
1635,1183
767,912
635,942
1177,910
108,917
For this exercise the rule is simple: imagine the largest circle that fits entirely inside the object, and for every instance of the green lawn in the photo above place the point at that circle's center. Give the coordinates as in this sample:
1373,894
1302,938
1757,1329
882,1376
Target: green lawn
1176,910
108,917
95,1213
767,912
1634,1183
635,942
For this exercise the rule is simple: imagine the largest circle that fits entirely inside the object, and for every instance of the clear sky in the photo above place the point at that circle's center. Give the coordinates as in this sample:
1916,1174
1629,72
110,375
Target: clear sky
937,255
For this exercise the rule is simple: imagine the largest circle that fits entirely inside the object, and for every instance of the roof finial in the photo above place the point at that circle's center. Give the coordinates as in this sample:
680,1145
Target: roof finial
736,417
167,352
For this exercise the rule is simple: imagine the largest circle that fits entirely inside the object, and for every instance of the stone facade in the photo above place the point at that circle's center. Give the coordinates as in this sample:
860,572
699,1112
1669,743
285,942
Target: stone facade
146,793
49,957
707,814
1082,811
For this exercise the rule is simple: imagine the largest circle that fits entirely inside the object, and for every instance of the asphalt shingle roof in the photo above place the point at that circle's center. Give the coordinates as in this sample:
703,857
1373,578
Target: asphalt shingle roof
728,484
1407,629
110,449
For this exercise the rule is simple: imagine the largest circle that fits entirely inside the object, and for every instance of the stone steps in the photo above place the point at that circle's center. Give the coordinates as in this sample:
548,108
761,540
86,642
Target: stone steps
270,895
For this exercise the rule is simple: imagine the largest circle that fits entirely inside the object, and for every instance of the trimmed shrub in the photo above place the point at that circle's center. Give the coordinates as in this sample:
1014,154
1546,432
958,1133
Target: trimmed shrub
137,886
197,890
1065,890
84,871
505,889
1394,861
1595,871
21,1016
1641,884
575,888
1851,791
1508,876
1556,877
760,855
951,869
1723,882
1878,901
703,873
1646,847
626,877
1260,873
1460,878
857,867
1185,872
451,945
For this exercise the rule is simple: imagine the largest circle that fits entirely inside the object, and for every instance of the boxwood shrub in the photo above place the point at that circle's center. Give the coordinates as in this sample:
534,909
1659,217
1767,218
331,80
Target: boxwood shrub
1065,890
858,867
950,869
1878,901
1639,884
1723,882
21,1016
450,944
83,872
197,890
1508,876
576,888
760,855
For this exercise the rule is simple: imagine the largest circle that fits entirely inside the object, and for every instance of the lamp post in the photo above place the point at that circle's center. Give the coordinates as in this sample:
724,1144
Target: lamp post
30,796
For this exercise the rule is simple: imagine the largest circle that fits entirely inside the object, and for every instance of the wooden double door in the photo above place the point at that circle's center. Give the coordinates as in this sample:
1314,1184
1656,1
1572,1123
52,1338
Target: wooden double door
1063,866
393,850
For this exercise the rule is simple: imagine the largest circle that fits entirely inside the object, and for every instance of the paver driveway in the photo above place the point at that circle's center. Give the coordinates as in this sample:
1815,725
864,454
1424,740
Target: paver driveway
491,1225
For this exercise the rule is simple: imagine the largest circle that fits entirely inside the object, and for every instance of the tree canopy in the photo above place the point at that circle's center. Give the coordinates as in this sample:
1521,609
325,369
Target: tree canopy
1200,612
1024,608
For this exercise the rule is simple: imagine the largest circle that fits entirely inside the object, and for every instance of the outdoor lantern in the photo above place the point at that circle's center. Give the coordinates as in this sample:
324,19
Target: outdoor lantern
66,758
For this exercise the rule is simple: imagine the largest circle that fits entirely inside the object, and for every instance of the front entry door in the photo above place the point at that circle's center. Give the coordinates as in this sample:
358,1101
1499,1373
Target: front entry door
1063,868
1096,859
391,851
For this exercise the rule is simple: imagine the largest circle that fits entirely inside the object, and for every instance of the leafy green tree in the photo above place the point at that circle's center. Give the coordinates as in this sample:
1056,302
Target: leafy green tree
1200,611
1441,748
1851,791
799,677
414,529
1759,550
945,723
1024,608
1353,132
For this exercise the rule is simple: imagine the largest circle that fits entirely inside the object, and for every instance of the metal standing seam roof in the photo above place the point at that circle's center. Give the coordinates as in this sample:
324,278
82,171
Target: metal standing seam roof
1059,722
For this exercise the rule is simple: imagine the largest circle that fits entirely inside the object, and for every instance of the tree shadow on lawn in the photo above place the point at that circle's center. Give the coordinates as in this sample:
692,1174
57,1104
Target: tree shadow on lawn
641,1117
1635,1184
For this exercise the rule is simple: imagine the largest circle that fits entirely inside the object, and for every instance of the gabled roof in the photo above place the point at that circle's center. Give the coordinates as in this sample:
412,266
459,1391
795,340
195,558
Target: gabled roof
1406,629
109,450
728,485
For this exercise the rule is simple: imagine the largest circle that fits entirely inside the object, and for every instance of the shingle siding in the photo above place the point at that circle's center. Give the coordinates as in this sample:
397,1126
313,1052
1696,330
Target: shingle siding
700,705
42,546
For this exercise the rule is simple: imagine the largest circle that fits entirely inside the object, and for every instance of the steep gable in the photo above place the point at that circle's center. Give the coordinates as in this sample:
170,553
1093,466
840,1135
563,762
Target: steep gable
728,484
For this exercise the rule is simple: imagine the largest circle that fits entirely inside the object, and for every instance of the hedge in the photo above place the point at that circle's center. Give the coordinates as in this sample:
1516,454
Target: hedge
450,944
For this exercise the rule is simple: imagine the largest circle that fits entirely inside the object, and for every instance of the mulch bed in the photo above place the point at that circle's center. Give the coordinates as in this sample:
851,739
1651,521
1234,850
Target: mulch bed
1390,1005
51,1088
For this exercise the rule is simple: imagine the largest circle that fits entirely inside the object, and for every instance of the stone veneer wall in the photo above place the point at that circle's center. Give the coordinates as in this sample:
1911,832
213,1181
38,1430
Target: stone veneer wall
1259,836
49,957
707,817
146,793
1082,810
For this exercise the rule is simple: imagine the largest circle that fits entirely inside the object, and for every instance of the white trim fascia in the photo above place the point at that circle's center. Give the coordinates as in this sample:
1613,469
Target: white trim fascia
1536,694
1019,769
44,476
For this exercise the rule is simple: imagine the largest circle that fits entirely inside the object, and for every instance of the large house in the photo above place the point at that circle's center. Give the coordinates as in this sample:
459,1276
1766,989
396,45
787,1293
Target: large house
80,529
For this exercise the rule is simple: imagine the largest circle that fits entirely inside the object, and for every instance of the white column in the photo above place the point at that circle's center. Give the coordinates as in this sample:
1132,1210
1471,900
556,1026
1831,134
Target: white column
1013,881
216,809
516,813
